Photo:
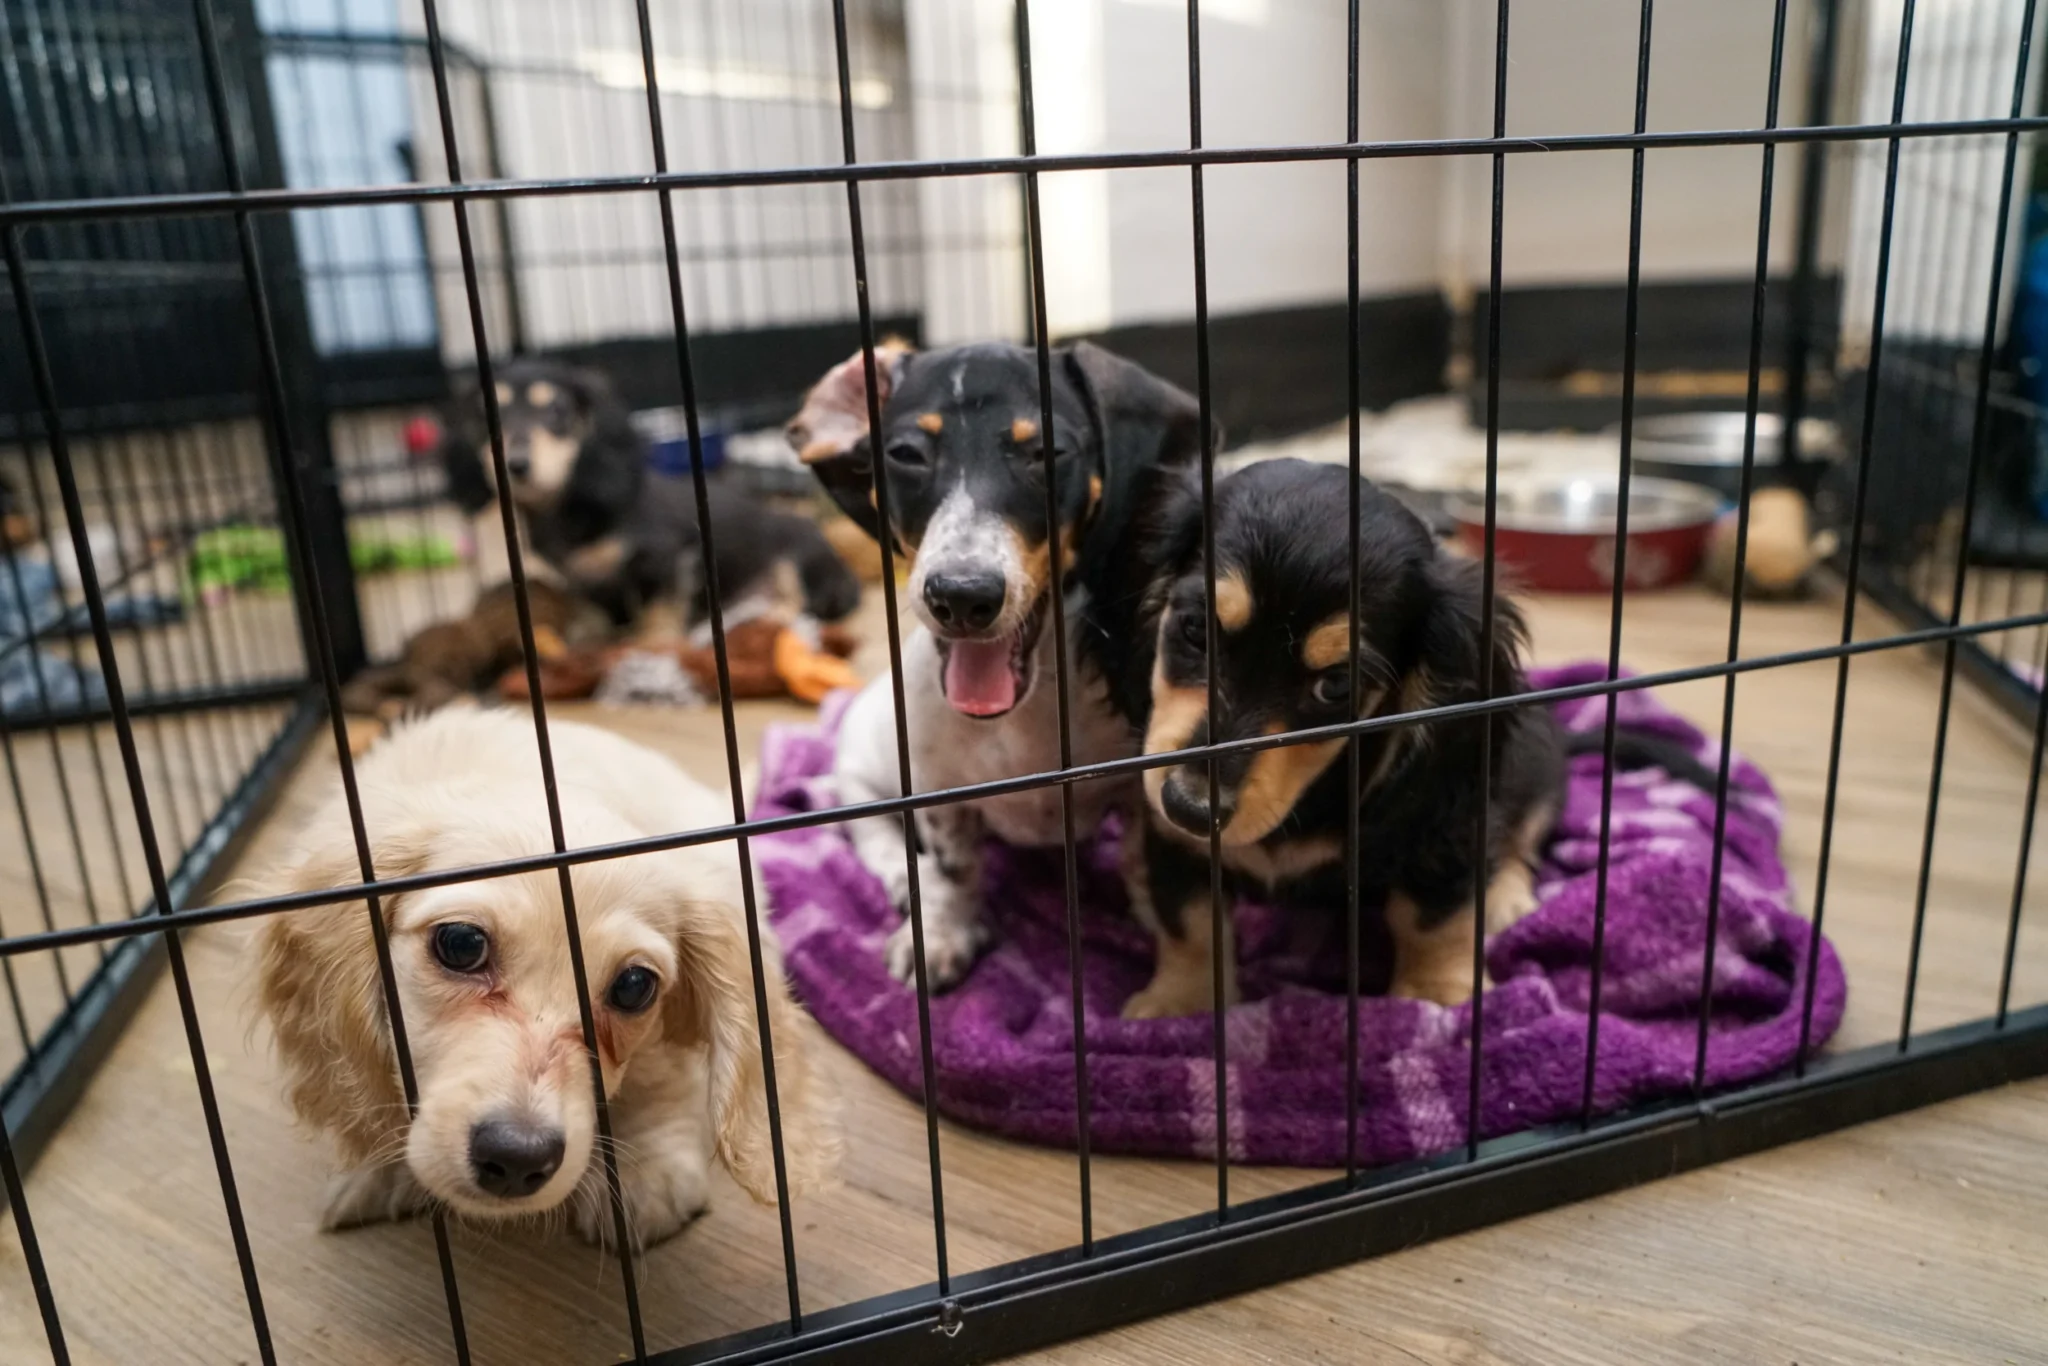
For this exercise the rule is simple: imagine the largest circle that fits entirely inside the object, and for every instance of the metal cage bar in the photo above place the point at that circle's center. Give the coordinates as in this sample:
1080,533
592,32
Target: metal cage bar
1352,423
1221,935
1752,398
124,207
1102,1281
1042,344
1629,339
885,539
1488,585
686,375
1853,574
515,560
16,945
313,606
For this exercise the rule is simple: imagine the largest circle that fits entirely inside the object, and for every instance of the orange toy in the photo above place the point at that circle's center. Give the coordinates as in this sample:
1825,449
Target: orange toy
765,658
810,674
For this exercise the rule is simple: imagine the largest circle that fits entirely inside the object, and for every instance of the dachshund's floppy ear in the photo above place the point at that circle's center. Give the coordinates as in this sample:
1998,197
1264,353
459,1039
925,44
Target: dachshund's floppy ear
713,1005
1170,531
463,435
1164,535
1143,421
593,387
611,464
611,419
830,432
1453,631
1146,428
317,984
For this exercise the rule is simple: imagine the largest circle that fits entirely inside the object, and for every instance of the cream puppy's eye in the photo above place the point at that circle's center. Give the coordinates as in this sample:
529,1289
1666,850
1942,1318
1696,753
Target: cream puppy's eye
461,947
633,990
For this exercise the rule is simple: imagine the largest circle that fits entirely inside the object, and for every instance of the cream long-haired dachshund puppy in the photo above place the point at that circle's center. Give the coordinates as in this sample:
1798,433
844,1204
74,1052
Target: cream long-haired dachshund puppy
506,1125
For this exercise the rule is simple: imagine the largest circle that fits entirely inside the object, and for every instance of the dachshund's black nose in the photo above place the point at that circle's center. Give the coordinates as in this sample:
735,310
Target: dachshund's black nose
518,464
1184,797
965,603
514,1160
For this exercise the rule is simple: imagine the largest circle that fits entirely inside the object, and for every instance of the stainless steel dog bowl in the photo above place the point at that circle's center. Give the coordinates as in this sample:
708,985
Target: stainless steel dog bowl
1706,448
1559,533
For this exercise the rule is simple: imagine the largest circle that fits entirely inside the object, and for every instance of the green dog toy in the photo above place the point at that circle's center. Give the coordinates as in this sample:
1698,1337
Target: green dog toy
232,558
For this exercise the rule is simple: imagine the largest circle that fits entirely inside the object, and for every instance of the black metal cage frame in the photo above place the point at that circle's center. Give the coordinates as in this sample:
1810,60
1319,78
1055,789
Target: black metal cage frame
1099,1281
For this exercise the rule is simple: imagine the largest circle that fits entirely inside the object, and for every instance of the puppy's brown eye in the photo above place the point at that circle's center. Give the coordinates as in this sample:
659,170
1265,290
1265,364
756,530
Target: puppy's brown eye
632,991
1194,632
461,947
1332,687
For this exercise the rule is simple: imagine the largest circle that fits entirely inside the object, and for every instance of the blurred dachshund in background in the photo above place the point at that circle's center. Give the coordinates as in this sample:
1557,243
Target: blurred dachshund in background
616,531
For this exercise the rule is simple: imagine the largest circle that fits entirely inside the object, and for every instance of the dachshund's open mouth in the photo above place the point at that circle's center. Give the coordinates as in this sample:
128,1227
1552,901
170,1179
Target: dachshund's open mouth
987,678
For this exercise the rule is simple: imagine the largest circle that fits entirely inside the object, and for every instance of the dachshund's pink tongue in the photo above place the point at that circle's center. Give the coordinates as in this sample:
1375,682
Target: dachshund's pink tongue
979,679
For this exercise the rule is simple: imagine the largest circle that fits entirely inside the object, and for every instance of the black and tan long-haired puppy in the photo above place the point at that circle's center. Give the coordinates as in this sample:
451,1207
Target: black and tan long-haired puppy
621,533
1283,662
506,1125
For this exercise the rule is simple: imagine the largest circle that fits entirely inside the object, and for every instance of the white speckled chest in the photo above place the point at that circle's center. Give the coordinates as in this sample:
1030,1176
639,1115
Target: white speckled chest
951,750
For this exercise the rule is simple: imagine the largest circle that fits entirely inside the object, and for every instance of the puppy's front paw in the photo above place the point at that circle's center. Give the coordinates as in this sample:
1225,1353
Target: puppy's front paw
893,870
371,1195
951,944
662,1193
1444,988
1184,978
662,1197
1510,896
1169,996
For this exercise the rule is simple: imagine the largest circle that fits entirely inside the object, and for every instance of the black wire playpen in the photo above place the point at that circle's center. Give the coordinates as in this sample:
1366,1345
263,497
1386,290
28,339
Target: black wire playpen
244,238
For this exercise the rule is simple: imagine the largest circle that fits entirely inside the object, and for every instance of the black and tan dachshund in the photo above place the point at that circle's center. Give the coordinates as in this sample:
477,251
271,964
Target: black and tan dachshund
1284,654
964,444
617,531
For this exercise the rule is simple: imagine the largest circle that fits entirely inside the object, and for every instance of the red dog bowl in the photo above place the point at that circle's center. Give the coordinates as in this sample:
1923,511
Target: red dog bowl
1558,534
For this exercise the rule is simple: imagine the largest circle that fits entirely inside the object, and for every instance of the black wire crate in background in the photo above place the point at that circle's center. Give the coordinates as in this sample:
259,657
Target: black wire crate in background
1951,412
145,328
251,244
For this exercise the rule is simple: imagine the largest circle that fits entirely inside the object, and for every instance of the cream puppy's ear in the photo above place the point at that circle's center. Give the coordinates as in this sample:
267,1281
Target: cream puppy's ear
317,984
714,1005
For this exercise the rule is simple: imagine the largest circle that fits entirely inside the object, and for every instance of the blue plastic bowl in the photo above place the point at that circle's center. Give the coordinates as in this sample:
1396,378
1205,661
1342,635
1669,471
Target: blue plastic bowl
672,456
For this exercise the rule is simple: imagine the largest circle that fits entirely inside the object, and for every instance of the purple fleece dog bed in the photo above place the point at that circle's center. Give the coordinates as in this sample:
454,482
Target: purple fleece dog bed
1003,1039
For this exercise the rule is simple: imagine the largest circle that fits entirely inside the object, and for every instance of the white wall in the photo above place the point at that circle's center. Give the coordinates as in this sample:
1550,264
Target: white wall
1572,70
963,70
745,83
1112,75
1119,243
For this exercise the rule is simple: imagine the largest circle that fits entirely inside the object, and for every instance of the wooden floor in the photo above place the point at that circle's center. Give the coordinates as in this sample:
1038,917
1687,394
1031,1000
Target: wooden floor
1922,1239
1917,1240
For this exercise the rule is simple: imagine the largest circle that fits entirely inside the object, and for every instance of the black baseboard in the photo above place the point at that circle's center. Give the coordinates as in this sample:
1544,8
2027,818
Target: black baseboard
1562,349
755,376
1279,372
1550,331
1273,373
1539,406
